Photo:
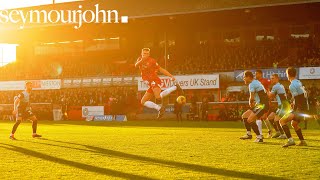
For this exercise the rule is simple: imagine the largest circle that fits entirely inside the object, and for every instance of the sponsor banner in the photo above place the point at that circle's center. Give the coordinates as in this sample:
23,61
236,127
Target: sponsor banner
12,85
121,118
92,111
186,82
117,81
49,84
103,118
238,74
136,79
67,83
36,84
71,83
127,80
106,81
86,82
309,73
96,81
76,82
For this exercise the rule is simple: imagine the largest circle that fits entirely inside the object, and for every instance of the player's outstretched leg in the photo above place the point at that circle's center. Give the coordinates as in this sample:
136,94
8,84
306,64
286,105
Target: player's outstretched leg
168,91
163,99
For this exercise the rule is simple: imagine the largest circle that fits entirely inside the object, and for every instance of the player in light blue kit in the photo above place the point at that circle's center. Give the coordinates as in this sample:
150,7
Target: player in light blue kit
300,108
22,111
258,102
278,91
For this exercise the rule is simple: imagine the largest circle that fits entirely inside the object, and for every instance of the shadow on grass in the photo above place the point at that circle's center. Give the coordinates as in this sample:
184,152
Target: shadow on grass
311,147
161,123
313,140
78,165
300,147
174,164
271,143
185,124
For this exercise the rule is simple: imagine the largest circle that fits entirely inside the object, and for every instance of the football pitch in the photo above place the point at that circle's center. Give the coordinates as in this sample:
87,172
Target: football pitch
153,150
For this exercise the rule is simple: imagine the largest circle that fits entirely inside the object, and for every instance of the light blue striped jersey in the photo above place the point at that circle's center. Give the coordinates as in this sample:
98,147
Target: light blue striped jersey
256,87
280,92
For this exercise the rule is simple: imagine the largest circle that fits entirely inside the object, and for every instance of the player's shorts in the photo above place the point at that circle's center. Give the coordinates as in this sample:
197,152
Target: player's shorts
153,84
260,109
25,114
283,109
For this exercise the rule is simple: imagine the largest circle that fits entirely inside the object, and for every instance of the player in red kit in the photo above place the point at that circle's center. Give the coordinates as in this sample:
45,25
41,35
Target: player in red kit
149,72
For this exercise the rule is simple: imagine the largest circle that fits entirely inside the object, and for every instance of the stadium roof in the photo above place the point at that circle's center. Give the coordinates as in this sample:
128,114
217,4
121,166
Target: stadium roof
138,9
147,8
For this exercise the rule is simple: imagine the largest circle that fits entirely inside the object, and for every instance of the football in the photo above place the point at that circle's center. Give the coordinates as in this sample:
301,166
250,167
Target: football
181,100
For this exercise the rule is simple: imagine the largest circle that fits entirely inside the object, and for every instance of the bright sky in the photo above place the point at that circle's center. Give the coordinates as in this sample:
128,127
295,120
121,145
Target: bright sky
7,53
12,4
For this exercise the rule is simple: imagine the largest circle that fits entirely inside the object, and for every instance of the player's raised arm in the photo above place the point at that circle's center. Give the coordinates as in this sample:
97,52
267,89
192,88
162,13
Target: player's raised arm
15,105
139,61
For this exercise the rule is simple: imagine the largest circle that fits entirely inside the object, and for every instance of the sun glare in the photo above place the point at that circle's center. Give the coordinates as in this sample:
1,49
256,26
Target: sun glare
7,54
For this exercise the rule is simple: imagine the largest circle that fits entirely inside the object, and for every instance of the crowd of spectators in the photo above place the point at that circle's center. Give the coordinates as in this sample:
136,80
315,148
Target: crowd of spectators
116,100
50,68
76,97
229,58
235,96
219,58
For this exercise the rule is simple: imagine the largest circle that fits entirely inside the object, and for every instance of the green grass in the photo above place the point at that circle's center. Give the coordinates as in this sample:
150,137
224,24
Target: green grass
152,150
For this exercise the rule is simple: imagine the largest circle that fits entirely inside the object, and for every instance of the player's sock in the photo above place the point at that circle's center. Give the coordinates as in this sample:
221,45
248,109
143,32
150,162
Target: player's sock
286,131
259,125
34,127
268,125
15,126
152,105
299,134
247,125
279,127
168,91
255,129
273,123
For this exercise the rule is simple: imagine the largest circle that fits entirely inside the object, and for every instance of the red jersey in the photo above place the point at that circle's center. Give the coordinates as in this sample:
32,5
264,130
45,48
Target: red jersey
265,82
149,70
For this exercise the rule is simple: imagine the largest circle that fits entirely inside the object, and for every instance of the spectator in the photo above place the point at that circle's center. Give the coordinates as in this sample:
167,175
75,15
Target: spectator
204,109
178,110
